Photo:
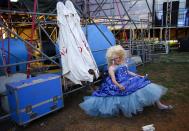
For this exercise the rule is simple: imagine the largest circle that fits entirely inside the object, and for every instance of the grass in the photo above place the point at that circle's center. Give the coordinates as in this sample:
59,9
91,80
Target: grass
171,71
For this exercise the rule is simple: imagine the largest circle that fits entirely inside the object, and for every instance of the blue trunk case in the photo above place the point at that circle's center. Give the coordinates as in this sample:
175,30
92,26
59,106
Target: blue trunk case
34,97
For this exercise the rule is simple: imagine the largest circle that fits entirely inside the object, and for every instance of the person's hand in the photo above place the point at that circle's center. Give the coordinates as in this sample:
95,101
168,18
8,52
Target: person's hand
145,76
121,87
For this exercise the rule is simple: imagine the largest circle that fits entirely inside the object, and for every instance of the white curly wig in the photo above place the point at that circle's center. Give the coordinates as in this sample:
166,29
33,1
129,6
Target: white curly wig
115,51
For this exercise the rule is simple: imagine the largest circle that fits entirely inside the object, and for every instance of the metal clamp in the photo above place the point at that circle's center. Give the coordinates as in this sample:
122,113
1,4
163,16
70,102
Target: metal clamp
55,100
28,110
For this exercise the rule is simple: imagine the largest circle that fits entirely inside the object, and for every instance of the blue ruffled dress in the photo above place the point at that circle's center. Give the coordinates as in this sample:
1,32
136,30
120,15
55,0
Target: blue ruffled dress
109,100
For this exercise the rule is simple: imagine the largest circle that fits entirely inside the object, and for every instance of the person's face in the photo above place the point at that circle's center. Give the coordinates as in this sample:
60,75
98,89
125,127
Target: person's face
117,60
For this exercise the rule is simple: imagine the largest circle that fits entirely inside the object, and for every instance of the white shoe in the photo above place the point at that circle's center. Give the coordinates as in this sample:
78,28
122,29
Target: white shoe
169,107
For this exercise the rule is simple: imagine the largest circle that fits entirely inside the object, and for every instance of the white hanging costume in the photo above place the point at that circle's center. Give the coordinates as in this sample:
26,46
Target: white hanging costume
76,57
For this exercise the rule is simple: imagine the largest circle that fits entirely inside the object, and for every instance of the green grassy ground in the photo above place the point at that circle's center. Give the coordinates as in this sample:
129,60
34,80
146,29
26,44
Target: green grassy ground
172,71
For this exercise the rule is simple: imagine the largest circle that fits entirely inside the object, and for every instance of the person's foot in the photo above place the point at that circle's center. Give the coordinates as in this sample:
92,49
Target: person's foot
169,107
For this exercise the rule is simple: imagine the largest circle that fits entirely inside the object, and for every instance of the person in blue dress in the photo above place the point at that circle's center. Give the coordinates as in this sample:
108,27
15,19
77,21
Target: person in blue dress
122,90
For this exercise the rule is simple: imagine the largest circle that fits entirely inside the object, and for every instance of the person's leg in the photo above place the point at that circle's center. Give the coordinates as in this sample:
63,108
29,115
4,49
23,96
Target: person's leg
163,106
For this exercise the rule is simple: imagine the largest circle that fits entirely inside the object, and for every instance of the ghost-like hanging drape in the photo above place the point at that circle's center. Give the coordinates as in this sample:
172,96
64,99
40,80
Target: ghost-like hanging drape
76,57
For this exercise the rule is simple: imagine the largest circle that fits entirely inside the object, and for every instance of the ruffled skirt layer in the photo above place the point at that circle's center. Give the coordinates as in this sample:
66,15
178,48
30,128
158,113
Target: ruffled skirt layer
128,105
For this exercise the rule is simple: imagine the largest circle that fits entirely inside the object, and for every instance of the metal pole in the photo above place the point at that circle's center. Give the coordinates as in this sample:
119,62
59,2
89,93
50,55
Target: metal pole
123,26
2,50
11,54
104,12
26,62
128,14
66,93
122,19
94,24
9,36
148,7
101,32
96,10
3,62
47,35
32,35
153,17
27,43
4,117
130,8
24,12
29,23
130,40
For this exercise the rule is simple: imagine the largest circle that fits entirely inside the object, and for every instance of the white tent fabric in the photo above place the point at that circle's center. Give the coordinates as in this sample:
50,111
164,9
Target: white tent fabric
81,39
75,53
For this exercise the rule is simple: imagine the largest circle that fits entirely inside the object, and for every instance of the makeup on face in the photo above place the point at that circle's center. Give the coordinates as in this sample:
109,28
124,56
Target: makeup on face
116,58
